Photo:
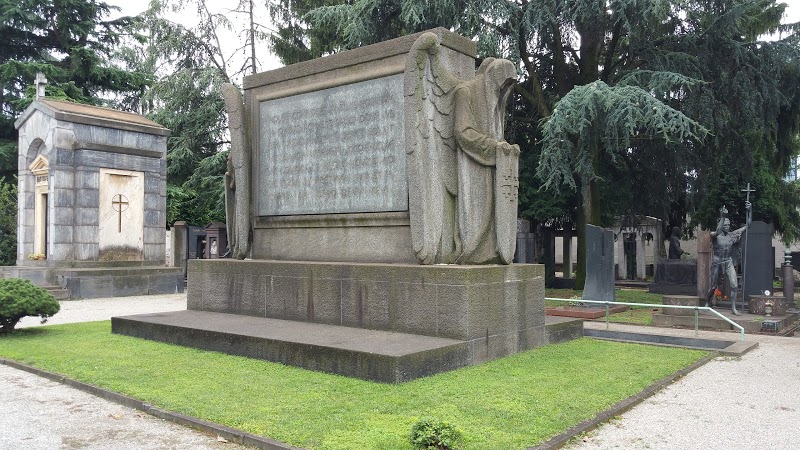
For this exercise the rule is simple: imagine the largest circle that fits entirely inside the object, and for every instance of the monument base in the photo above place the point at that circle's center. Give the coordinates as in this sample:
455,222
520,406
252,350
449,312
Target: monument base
95,279
375,355
767,305
383,322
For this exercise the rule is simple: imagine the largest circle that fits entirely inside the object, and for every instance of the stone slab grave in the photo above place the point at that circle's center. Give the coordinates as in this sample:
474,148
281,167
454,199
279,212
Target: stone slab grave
92,201
373,201
754,321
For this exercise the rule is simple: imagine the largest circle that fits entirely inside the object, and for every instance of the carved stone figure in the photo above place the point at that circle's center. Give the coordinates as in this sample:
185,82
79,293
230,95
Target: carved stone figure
675,250
463,177
237,176
725,245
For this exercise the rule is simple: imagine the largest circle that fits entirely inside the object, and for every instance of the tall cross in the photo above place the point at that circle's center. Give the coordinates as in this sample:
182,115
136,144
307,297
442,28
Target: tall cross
748,190
120,204
40,81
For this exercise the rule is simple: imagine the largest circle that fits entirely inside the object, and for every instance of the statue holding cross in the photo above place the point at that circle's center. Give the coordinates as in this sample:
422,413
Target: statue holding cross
724,243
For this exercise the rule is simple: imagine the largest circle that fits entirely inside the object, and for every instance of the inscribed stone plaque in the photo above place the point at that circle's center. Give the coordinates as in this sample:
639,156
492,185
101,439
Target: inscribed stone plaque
337,150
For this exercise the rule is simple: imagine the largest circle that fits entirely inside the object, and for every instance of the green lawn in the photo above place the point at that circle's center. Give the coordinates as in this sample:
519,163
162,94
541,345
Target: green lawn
639,315
511,403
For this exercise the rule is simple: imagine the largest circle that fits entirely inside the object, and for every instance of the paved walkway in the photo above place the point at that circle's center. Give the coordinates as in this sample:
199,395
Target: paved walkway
41,414
749,402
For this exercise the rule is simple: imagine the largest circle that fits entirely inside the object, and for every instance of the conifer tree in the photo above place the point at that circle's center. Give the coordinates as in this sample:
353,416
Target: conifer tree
678,100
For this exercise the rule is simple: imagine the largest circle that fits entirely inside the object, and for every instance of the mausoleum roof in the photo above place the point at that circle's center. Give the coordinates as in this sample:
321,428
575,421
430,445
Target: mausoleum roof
92,115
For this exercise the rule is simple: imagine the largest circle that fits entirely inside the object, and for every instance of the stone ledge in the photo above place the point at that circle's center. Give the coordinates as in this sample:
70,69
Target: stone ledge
381,356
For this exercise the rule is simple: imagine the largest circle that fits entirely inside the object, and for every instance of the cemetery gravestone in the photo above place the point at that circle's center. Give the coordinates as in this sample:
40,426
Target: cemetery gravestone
599,264
758,260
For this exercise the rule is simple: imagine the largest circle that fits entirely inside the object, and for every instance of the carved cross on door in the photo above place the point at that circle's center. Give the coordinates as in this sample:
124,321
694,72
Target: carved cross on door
120,204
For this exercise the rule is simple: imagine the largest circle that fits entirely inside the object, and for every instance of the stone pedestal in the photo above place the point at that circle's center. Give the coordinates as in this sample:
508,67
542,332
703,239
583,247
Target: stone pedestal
384,322
788,284
675,277
502,306
703,263
767,305
680,300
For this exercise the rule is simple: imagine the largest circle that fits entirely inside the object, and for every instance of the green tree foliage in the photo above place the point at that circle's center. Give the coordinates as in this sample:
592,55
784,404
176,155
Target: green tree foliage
71,42
8,222
190,66
693,106
20,298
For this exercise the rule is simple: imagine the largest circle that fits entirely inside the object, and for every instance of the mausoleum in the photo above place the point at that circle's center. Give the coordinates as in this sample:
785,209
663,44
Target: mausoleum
92,200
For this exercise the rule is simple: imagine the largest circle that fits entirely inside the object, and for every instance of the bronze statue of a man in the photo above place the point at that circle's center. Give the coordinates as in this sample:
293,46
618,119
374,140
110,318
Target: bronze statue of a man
675,250
724,242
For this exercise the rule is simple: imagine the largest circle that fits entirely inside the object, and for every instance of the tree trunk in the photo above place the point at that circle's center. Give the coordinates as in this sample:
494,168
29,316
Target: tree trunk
589,210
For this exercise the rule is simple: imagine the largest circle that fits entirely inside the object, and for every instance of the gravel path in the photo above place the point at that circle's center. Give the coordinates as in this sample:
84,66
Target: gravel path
43,414
749,402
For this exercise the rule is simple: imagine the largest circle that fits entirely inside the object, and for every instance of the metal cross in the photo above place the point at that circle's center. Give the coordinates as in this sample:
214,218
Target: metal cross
40,81
120,204
748,190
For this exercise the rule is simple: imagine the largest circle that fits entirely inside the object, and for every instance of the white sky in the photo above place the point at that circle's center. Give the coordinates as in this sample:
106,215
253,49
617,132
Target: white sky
269,61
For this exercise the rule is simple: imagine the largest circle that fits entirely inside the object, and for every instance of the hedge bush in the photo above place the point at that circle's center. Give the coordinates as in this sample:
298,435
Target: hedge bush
20,298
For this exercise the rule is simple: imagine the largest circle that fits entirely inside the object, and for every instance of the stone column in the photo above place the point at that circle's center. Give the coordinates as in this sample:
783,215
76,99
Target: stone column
641,257
178,236
703,262
567,248
621,262
788,279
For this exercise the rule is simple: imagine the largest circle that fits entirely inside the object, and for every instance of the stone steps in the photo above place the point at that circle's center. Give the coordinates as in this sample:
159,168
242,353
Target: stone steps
376,355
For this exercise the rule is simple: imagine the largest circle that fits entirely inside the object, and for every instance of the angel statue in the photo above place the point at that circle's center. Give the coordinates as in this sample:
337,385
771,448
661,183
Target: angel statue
463,177
237,176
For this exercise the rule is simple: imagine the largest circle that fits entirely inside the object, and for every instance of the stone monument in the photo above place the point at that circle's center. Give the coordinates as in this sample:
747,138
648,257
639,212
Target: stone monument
676,275
725,256
371,206
92,200
599,264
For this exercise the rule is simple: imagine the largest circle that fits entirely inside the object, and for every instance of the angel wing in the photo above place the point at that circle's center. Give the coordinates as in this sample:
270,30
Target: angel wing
237,186
430,148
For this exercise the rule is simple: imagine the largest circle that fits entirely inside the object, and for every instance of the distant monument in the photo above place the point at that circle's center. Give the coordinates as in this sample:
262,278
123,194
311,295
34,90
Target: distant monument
675,275
725,254
92,200
352,179
599,264
675,250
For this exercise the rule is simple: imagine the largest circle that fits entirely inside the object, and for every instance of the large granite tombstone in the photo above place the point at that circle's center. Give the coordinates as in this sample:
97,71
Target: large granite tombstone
759,260
364,177
92,200
599,264
675,277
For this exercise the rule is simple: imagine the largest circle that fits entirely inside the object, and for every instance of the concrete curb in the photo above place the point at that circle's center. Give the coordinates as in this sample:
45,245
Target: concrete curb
560,440
231,434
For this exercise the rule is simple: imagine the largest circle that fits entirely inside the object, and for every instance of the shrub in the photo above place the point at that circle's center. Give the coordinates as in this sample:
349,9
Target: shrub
20,298
429,434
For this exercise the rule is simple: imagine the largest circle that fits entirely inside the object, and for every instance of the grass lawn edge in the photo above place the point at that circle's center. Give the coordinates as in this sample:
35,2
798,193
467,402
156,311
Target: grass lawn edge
231,434
244,438
622,406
